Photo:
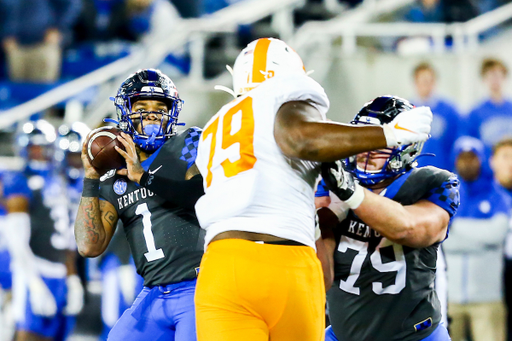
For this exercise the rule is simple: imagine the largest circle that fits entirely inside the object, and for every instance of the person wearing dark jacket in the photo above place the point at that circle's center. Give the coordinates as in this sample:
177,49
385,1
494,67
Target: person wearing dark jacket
33,34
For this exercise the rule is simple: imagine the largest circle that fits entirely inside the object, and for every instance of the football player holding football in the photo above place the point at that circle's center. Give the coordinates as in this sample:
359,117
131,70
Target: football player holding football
162,230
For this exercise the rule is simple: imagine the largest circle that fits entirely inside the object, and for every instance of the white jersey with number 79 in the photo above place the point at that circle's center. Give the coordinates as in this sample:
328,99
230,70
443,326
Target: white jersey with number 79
250,185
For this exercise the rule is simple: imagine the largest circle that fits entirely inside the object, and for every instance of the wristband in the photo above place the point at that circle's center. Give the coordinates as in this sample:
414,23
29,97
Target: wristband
91,188
144,179
390,136
357,198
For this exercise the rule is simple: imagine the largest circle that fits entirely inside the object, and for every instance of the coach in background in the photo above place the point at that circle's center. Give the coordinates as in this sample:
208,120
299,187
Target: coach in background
501,164
474,250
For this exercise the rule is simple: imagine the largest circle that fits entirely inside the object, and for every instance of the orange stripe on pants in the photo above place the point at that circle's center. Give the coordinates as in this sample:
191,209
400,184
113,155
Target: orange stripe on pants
256,292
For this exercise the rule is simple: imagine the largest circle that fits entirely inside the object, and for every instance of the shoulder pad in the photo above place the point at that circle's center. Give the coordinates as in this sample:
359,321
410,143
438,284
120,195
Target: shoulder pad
420,182
189,151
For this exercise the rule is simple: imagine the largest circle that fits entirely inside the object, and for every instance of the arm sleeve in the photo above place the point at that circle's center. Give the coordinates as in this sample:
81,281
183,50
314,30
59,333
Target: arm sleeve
184,193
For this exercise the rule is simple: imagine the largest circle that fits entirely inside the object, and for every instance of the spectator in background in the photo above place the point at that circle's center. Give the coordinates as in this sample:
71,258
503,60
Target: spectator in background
130,20
445,122
491,120
474,251
33,34
501,164
459,10
426,11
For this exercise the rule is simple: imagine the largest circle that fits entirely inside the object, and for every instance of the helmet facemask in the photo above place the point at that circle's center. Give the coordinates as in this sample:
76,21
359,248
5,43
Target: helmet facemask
139,87
399,159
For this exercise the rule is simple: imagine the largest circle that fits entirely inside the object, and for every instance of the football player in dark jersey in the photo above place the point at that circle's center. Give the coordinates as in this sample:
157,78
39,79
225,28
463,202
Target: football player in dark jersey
38,236
384,246
163,232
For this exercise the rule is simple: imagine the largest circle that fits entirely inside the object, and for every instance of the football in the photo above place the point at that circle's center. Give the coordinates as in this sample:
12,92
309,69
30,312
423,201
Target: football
101,152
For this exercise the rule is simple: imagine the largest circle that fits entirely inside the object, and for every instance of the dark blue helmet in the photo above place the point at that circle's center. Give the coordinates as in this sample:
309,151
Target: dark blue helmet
380,111
154,85
35,143
69,148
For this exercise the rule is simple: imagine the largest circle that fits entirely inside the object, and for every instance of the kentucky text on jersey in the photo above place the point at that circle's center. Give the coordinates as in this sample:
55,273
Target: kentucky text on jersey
361,229
133,197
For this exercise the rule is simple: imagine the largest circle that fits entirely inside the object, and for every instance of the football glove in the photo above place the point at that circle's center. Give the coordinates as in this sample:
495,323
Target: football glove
342,183
409,127
42,301
75,296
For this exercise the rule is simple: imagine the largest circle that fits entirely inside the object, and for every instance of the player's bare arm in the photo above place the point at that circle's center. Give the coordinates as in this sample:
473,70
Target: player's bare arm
96,219
418,225
327,221
300,133
326,260
94,226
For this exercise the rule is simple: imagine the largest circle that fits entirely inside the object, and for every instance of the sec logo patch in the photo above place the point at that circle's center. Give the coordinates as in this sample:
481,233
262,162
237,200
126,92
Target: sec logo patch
120,186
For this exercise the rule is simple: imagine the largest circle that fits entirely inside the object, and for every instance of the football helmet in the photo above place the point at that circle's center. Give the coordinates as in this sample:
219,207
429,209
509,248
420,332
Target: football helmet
263,59
154,85
69,148
400,159
35,144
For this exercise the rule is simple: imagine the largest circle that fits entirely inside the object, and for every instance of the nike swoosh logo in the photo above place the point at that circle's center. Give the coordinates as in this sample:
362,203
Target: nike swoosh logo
396,127
155,170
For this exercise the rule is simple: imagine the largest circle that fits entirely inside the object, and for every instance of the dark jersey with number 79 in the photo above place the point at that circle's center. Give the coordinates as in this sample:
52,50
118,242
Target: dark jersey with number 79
384,291
166,240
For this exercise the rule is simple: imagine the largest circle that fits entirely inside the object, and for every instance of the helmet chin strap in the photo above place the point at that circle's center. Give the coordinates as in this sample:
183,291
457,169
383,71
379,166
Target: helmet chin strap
152,132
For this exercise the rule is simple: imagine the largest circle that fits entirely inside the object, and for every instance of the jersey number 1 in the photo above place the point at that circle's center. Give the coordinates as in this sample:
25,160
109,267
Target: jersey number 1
153,253
244,136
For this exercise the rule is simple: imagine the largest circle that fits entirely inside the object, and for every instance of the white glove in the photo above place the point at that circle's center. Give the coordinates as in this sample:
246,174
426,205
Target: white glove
42,301
126,275
75,297
409,127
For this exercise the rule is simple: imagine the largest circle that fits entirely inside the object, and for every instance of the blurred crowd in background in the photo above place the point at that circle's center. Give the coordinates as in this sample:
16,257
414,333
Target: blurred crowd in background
48,41
44,41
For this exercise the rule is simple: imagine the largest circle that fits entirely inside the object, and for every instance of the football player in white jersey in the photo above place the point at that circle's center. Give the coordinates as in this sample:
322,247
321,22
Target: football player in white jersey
260,278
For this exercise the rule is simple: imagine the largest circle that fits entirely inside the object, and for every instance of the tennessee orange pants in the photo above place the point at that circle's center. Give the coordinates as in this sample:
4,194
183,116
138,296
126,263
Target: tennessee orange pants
259,292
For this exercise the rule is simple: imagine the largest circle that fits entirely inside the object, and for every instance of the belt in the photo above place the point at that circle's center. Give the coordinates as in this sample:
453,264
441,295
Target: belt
156,291
280,242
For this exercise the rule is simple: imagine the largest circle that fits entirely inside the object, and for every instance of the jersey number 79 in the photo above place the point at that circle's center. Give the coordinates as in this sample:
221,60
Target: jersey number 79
233,130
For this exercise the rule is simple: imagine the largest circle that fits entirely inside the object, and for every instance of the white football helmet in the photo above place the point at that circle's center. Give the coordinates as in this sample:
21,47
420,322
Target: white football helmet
262,59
